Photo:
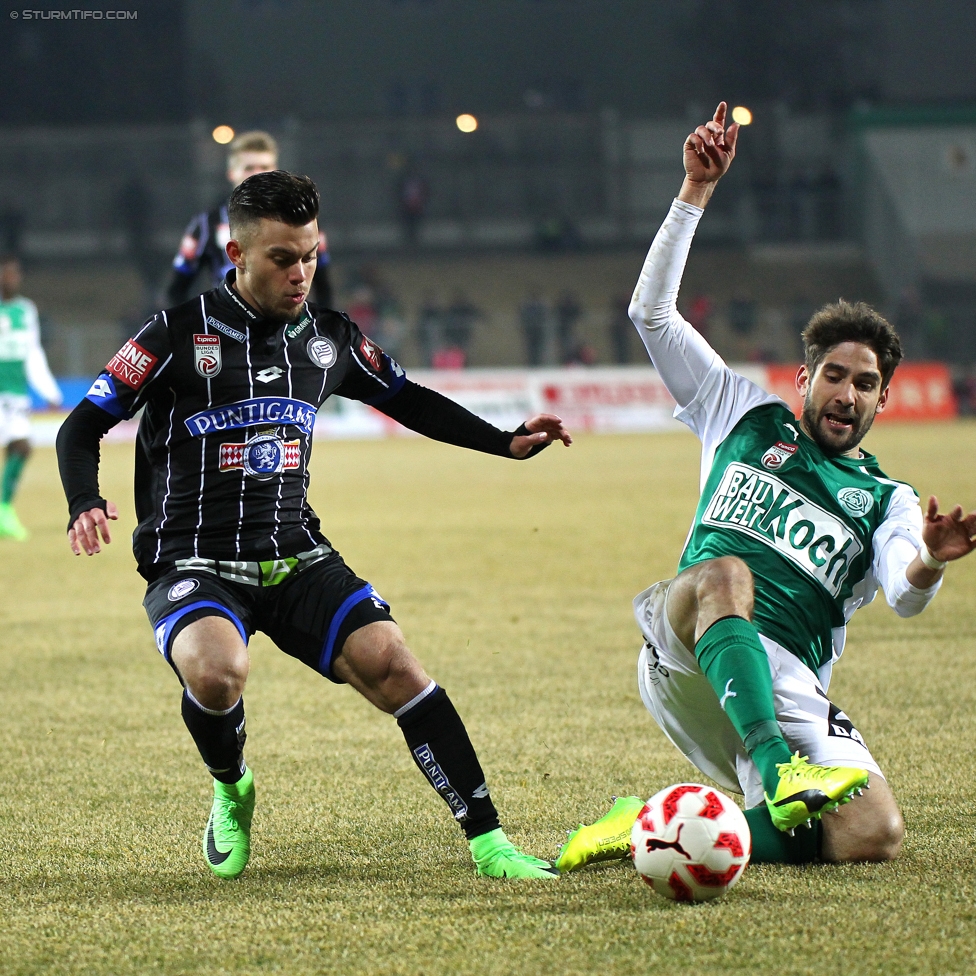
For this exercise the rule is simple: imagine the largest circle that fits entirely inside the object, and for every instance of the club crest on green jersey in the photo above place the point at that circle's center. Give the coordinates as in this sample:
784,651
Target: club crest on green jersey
857,501
778,455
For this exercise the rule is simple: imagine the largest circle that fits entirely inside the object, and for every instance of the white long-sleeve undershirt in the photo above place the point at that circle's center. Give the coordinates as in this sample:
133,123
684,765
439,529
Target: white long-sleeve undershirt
712,399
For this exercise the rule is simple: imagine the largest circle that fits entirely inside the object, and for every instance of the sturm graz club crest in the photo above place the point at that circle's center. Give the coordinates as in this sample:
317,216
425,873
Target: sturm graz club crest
778,455
262,456
321,351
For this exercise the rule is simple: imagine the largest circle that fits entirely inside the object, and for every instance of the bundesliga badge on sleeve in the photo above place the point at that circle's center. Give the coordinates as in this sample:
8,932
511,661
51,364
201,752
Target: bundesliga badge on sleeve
206,355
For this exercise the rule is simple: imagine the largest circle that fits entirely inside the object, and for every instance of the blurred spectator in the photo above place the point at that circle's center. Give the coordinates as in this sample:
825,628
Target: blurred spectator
11,231
205,239
742,315
557,234
375,309
700,313
459,320
136,211
621,330
414,192
964,387
583,355
449,357
391,328
362,309
428,335
568,312
910,323
534,318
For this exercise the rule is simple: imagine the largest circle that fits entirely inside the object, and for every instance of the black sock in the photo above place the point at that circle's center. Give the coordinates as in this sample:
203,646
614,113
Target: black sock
219,736
441,748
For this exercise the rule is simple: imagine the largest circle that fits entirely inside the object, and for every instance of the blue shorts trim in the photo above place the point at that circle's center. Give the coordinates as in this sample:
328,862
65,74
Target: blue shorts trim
328,651
164,628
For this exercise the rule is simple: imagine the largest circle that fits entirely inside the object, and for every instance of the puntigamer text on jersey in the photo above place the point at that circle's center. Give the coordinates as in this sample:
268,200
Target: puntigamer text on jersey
765,508
247,413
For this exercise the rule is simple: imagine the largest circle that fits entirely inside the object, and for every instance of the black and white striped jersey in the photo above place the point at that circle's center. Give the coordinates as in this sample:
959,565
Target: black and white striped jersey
225,438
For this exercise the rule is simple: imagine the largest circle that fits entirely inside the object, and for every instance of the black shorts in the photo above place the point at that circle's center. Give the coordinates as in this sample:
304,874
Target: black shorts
308,615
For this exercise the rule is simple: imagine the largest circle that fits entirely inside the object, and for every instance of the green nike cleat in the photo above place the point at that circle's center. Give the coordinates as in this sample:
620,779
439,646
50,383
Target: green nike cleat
227,839
495,856
10,524
807,790
608,839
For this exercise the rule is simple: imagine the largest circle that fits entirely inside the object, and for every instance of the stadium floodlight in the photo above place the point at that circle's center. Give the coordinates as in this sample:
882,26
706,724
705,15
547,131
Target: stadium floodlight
466,123
742,115
223,134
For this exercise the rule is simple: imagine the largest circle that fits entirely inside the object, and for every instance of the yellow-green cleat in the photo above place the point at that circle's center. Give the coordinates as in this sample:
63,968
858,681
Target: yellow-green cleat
608,839
227,839
806,791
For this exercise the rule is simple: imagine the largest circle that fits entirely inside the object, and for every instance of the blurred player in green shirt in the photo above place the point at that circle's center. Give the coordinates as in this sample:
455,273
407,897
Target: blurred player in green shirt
22,365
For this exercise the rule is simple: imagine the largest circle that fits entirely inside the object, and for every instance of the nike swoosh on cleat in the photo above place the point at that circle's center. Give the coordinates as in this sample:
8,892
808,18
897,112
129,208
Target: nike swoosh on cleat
213,855
813,799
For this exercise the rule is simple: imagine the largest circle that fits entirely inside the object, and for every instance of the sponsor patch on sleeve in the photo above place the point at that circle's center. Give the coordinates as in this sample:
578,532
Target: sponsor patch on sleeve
371,353
131,364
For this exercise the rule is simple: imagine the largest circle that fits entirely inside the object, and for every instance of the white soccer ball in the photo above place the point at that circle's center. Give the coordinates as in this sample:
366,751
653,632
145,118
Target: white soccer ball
690,842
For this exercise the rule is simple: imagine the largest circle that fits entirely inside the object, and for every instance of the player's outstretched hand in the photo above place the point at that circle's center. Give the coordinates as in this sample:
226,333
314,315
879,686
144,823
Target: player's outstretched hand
84,533
543,429
710,149
950,536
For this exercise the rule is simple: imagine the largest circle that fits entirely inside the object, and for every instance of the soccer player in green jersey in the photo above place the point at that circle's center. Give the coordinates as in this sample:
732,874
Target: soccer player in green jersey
795,529
22,365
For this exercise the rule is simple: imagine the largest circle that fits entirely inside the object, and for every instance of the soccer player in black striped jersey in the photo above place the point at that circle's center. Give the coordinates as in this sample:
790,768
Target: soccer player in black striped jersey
229,384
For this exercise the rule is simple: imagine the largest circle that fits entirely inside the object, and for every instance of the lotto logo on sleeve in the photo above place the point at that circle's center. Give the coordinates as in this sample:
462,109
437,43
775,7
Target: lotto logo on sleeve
102,389
131,364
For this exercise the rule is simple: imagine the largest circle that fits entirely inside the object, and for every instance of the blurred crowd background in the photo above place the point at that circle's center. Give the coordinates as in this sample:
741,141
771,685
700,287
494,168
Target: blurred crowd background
492,172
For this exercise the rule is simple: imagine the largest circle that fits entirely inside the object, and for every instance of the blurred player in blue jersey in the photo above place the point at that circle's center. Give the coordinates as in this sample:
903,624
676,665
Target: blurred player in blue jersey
203,248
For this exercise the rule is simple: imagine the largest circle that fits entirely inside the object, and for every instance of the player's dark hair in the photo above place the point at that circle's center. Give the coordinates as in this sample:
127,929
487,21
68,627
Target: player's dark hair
851,322
277,195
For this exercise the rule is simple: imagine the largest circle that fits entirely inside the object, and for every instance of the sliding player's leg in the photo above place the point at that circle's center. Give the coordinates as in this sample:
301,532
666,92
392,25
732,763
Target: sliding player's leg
709,606
684,704
868,829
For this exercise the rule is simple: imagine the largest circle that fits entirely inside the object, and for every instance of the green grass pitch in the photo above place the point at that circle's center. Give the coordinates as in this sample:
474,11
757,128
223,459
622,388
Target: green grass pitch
513,584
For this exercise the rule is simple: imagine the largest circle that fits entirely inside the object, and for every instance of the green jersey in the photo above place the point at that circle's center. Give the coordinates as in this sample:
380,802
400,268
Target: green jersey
17,317
802,521
22,360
